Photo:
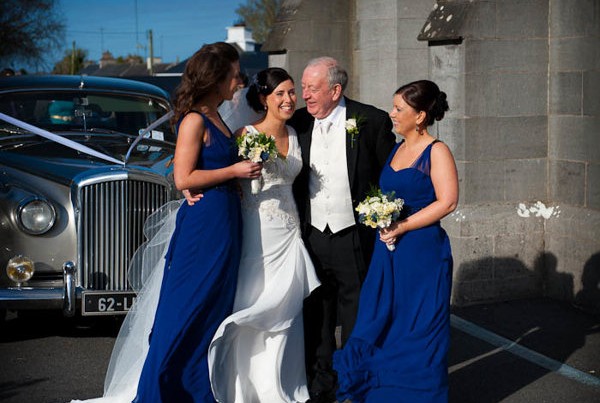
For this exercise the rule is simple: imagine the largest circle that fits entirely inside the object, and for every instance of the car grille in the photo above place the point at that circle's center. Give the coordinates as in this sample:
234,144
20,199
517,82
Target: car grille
112,216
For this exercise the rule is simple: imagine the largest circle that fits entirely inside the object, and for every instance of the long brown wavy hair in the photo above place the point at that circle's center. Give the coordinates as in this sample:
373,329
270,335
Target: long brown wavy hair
204,71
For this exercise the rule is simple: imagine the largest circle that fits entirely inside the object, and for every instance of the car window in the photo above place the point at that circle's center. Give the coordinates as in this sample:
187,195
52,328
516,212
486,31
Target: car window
63,111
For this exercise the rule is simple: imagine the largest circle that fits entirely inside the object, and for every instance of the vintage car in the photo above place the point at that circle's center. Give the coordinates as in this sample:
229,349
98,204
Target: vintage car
83,162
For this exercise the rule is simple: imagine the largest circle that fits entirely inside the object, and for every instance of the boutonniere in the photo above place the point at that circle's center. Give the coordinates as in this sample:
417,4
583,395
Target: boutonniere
352,128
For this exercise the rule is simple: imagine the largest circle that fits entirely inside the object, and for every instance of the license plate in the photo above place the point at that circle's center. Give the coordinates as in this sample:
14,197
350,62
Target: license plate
106,303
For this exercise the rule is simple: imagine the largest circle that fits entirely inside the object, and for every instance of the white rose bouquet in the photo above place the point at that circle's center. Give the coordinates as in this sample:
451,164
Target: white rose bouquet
379,210
256,147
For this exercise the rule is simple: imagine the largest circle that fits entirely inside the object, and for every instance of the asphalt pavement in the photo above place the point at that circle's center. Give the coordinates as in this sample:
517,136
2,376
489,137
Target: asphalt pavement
534,350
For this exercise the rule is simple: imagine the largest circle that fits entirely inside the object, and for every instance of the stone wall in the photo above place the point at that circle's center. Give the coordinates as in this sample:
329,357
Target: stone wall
573,240
523,79
497,76
306,29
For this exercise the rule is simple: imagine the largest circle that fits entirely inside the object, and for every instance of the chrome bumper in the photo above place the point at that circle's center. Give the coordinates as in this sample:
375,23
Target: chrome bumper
64,298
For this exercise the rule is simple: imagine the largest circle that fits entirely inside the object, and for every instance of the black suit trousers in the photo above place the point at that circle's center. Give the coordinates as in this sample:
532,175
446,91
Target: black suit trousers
337,259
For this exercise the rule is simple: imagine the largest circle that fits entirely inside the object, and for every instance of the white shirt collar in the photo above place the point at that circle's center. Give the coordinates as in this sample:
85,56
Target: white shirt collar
339,112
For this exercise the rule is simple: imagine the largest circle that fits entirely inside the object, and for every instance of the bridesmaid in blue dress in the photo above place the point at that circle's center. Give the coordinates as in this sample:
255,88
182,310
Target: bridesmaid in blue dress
398,349
199,281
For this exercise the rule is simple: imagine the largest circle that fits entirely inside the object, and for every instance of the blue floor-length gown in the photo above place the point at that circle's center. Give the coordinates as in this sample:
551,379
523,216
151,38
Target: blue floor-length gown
398,349
198,286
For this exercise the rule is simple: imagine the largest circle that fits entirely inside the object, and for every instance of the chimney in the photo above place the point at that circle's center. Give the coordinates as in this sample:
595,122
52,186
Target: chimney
241,36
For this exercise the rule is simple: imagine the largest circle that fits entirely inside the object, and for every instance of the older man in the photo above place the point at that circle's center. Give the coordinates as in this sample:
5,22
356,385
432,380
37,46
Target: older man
344,147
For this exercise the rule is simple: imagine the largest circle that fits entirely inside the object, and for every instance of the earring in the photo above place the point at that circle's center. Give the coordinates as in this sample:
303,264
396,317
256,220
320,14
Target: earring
265,107
418,129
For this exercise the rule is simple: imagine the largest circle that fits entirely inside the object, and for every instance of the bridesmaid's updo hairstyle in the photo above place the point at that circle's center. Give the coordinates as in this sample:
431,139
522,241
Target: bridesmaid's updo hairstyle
203,73
264,83
425,95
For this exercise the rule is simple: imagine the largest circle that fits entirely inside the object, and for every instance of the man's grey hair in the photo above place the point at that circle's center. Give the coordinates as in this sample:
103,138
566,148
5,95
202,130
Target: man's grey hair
335,73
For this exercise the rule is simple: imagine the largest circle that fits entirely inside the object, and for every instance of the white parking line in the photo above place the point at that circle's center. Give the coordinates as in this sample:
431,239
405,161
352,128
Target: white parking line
523,352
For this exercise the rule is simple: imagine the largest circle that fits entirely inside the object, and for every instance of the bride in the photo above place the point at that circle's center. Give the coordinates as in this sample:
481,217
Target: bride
257,353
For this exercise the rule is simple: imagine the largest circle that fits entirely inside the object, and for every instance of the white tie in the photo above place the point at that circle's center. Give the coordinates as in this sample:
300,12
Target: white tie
324,127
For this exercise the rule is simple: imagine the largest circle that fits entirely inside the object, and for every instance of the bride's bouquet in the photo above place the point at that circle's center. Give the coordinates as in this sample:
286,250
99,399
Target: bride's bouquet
256,147
379,210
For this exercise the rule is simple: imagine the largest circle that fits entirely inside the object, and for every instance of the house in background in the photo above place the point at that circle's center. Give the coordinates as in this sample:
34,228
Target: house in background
167,75
108,66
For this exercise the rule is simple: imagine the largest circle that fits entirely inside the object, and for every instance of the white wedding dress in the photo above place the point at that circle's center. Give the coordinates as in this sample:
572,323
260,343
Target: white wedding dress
257,353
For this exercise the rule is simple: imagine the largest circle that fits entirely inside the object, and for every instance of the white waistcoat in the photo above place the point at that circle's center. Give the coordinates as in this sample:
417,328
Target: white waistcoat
329,187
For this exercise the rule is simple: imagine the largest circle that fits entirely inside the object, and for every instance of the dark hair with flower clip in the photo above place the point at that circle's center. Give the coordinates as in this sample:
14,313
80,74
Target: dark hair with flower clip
263,83
425,95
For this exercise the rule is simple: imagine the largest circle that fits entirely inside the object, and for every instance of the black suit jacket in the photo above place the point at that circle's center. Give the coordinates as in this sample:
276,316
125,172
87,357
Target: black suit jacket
365,157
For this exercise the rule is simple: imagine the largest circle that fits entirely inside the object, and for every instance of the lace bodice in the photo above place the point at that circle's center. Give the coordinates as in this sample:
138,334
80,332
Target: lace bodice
275,201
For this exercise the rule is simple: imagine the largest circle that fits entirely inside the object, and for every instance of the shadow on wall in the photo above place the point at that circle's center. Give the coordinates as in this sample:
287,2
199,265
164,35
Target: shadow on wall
588,298
554,284
505,278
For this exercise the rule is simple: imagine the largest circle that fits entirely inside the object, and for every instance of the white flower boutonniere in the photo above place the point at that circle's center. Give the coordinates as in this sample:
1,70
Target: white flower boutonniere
352,128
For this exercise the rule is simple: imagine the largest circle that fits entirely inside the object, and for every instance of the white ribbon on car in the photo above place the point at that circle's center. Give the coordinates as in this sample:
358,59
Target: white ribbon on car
143,132
80,147
58,139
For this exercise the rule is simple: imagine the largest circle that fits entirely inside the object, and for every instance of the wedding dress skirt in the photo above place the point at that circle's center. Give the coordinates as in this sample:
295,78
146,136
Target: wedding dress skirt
257,353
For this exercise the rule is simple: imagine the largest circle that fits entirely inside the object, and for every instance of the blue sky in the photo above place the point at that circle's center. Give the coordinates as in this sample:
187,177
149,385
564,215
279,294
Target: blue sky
179,27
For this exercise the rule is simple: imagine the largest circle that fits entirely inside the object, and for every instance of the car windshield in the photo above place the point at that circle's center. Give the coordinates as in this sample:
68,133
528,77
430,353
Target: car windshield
93,112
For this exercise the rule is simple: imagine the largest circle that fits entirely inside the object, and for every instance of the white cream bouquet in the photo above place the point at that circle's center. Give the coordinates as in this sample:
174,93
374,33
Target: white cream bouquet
380,210
256,147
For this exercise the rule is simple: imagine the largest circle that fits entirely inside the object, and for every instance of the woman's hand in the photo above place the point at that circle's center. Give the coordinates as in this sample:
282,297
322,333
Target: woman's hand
192,196
247,169
390,234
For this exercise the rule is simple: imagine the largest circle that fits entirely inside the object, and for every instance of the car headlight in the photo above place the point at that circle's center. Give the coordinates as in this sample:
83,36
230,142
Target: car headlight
36,216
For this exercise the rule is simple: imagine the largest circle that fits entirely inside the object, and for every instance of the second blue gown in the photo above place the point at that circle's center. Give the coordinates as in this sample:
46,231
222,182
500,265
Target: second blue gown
397,351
